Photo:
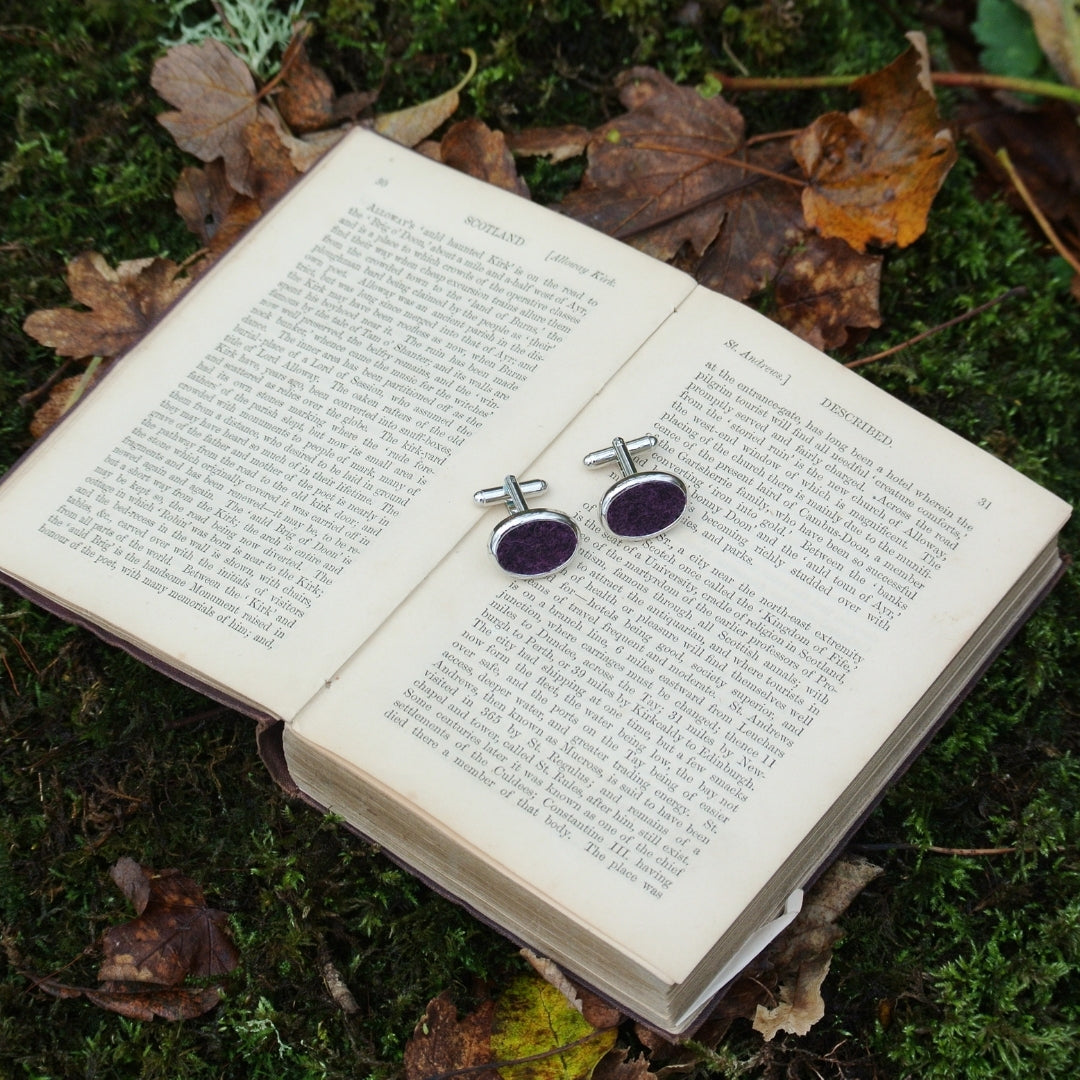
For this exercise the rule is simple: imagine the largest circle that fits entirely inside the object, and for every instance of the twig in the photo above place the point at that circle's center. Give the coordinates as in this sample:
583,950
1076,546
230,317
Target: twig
1048,230
1016,290
933,849
975,80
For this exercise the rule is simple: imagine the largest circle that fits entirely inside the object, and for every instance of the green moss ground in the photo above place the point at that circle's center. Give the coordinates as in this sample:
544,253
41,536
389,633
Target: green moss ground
952,967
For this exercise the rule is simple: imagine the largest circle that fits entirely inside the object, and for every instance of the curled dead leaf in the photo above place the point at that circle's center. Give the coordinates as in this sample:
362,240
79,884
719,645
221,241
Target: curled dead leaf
412,125
62,396
470,146
874,172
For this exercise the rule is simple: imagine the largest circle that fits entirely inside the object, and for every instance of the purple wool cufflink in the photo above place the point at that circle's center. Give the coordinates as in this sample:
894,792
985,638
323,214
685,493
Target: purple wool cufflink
641,504
528,543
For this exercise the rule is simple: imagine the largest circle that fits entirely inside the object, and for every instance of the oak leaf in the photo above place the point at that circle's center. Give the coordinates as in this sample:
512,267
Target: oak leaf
124,303
656,175
214,93
874,172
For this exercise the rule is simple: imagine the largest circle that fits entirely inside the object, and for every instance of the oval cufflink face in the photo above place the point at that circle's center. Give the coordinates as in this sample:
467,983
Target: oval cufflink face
643,505
534,543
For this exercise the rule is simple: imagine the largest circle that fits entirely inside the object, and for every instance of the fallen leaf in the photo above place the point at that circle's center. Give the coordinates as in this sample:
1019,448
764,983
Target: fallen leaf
124,303
442,1043
801,1006
211,208
306,98
534,1020
557,143
1057,26
875,171
763,222
470,146
412,125
139,1002
214,94
656,176
270,172
173,936
61,398
530,1033
826,287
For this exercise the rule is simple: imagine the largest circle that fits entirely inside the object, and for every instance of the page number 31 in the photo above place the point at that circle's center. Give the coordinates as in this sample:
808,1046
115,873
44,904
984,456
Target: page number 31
984,504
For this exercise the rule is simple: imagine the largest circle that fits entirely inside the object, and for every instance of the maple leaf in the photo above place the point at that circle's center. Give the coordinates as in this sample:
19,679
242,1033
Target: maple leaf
875,171
124,303
531,1032
173,936
215,97
470,146
655,175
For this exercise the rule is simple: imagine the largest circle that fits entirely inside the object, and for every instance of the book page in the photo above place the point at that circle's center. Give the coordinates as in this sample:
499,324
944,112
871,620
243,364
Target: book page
646,736
259,483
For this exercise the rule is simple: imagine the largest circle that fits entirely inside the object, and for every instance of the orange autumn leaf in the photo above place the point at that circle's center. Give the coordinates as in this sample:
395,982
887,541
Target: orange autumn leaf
874,172
470,146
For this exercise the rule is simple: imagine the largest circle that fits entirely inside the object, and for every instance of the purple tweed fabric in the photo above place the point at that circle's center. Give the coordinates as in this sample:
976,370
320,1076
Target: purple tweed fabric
533,548
646,509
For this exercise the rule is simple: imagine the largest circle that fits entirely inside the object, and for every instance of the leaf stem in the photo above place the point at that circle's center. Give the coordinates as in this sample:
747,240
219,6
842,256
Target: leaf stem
976,80
1029,201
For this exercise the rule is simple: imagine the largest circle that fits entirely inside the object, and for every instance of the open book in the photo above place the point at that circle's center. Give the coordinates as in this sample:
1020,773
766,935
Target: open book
634,764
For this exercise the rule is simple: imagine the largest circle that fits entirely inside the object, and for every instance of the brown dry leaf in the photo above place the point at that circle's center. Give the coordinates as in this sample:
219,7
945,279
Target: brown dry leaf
557,143
875,171
763,222
470,146
61,398
139,1002
442,1043
1057,28
826,287
175,935
801,1006
270,171
656,176
211,208
411,126
616,1067
124,303
306,98
214,93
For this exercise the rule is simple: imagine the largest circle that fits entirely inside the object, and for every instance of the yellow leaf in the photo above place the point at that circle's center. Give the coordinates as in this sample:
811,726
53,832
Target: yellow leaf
533,1020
